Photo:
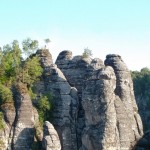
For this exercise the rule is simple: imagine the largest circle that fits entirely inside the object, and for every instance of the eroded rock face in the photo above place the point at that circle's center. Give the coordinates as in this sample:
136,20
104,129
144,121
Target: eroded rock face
95,93
76,70
50,139
24,124
45,56
65,102
6,134
124,89
65,107
98,100
94,107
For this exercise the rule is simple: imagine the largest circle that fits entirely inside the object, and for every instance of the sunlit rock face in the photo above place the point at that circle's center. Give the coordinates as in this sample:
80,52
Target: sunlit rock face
50,138
23,135
129,124
93,107
76,70
99,98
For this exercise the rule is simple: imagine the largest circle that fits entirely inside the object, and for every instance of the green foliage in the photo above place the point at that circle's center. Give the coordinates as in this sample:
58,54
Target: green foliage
44,107
10,60
31,93
87,53
141,81
1,121
5,95
47,41
31,71
29,46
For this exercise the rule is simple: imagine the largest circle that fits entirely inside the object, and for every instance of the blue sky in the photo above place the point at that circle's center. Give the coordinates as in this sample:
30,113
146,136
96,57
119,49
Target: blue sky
104,26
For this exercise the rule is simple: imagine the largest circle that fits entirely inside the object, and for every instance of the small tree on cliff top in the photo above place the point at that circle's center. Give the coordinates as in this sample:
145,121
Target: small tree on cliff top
87,53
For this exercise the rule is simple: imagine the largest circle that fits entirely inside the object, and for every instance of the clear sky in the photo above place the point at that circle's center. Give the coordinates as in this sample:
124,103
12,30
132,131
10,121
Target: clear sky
104,26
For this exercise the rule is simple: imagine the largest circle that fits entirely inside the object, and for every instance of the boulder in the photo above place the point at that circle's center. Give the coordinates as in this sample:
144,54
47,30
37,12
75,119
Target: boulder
50,138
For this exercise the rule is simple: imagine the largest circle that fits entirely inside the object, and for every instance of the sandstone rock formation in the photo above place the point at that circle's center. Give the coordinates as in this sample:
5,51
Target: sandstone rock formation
94,106
65,103
6,134
125,121
24,124
50,138
76,69
98,100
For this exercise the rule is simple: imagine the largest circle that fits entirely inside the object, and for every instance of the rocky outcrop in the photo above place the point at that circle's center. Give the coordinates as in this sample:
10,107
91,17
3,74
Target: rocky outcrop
98,100
6,132
50,138
124,89
45,57
24,124
76,70
95,93
65,103
93,107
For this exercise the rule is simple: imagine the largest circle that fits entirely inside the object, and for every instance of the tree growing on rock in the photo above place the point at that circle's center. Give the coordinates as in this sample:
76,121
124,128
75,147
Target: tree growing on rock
87,53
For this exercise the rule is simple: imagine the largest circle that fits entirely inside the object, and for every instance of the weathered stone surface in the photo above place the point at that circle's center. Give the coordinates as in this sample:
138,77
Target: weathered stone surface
6,134
65,107
24,123
5,138
65,103
76,70
124,89
98,99
94,107
46,57
50,139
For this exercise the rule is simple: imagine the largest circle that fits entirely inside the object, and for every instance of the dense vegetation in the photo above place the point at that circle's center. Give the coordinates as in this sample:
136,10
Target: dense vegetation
19,65
141,81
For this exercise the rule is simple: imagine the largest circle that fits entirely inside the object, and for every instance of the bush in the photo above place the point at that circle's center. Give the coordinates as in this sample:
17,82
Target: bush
1,121
44,107
5,95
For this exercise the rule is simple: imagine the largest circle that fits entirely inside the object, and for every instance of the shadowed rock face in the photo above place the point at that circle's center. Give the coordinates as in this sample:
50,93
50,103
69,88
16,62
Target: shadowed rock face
144,142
